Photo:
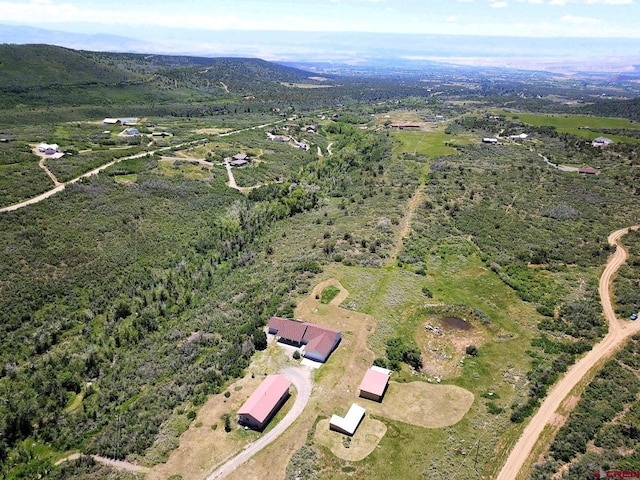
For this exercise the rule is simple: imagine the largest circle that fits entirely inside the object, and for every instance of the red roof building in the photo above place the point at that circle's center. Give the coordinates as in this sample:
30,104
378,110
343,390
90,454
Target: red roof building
374,383
264,402
403,125
318,341
587,171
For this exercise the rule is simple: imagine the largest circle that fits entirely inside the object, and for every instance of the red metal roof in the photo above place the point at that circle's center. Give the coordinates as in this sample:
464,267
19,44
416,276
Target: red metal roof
317,339
266,397
320,339
289,330
374,381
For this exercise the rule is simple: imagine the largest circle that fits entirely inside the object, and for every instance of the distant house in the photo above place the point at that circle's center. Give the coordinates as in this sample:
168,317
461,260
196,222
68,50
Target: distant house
264,402
279,138
317,342
490,140
587,171
350,422
128,120
48,148
601,142
374,383
240,156
132,132
522,136
238,163
405,125
120,121
161,134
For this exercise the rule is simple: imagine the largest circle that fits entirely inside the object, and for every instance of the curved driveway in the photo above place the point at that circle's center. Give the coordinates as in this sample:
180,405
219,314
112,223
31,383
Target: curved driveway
301,378
619,331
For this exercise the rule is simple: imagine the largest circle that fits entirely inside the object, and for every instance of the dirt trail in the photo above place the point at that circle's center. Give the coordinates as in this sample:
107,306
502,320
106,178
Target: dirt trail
619,331
48,172
95,171
119,464
405,226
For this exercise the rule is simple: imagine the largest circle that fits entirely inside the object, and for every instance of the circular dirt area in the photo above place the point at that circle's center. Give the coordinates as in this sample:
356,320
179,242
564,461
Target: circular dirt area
355,448
423,404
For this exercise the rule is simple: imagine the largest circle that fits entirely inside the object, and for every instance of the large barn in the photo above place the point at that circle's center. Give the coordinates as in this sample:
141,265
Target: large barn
318,342
264,402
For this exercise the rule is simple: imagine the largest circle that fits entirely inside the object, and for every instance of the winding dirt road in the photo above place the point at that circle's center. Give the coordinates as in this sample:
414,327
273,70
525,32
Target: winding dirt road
619,331
301,378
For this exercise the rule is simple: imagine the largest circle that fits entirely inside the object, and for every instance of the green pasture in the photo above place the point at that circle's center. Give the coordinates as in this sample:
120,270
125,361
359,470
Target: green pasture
395,299
579,125
432,144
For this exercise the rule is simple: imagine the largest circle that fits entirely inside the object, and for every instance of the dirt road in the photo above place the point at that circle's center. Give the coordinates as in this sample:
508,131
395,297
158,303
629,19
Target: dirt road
95,171
118,464
619,331
301,378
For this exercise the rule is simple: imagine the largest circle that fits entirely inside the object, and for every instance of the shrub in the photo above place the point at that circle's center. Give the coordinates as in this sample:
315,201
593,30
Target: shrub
471,350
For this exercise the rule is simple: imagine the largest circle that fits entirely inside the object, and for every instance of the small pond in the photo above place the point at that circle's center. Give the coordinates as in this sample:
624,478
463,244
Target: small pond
455,322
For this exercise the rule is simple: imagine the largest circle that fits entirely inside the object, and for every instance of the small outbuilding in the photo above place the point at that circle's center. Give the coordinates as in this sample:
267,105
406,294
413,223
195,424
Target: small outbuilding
374,383
490,140
350,422
264,402
587,171
601,142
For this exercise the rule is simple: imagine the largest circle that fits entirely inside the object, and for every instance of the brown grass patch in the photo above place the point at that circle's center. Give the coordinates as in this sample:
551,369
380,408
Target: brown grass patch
363,442
423,404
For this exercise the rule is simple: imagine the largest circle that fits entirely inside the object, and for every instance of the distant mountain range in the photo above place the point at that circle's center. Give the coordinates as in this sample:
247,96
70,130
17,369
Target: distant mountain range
564,55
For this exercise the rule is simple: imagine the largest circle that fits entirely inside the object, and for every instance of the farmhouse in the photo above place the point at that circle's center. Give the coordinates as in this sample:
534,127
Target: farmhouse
601,142
522,136
587,171
48,149
264,402
350,422
120,121
318,342
374,383
238,163
490,140
278,138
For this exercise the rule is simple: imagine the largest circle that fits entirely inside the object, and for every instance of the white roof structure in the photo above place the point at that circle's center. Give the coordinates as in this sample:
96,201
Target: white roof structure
349,423
48,146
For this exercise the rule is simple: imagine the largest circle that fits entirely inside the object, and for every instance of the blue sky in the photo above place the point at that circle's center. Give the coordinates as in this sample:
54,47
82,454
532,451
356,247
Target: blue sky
528,18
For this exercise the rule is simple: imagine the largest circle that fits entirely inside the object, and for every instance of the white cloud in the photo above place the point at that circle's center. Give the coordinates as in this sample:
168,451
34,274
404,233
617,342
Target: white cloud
452,18
580,20
499,5
587,2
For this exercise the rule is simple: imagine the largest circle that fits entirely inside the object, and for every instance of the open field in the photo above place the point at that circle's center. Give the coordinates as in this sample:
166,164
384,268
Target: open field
580,125
352,449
